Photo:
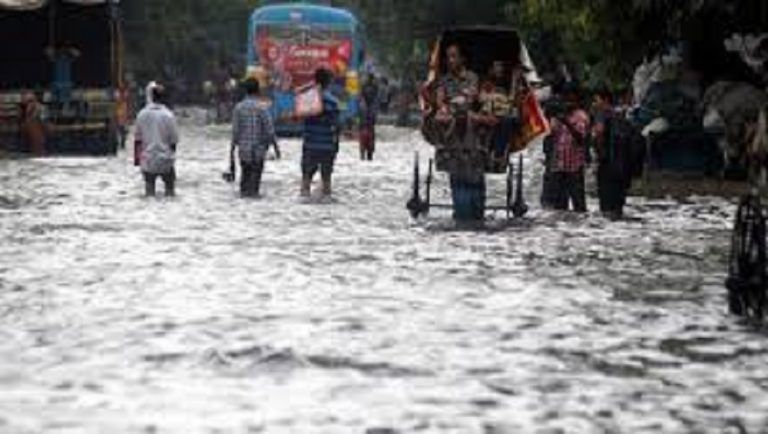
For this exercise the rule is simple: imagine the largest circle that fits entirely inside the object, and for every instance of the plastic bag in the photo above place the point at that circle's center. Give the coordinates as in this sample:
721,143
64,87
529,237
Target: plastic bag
308,102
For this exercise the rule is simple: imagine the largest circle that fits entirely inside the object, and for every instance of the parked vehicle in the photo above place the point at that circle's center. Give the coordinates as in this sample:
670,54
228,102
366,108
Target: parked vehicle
65,62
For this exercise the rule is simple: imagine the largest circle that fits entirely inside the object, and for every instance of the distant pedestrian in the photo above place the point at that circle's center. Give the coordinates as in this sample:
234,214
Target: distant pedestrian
368,115
569,156
385,95
157,137
617,144
549,190
63,59
32,126
321,139
253,132
123,113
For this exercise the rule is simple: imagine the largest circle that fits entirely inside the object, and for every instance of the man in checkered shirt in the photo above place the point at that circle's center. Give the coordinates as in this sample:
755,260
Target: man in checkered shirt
569,161
252,133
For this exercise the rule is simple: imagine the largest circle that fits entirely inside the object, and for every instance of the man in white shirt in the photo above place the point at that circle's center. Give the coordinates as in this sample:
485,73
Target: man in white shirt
157,136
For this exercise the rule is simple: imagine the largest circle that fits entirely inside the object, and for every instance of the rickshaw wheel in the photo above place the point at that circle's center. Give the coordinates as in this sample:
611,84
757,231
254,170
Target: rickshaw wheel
747,269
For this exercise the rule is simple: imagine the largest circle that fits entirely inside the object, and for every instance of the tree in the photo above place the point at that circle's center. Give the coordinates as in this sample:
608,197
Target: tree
606,39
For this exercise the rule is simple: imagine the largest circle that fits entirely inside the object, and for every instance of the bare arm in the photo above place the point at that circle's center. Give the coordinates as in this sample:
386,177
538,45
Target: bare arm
442,104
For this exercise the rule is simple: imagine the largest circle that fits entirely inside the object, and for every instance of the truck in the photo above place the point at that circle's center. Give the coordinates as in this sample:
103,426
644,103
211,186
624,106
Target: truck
61,84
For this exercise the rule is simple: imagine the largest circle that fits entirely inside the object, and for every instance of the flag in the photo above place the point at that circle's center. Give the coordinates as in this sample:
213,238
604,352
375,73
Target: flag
533,123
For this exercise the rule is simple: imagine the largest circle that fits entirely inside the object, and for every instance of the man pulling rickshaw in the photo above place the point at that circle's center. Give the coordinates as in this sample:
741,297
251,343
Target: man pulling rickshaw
747,281
463,156
476,124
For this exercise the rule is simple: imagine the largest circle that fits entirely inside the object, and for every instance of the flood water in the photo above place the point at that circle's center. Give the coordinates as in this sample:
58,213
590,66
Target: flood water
210,314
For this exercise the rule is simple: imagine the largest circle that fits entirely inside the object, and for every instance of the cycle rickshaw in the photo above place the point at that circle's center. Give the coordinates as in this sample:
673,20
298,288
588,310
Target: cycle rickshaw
502,119
747,281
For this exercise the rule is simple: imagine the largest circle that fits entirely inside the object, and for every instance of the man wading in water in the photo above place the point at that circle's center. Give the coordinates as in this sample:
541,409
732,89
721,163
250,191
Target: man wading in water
156,138
464,157
368,113
252,133
321,139
618,145
569,156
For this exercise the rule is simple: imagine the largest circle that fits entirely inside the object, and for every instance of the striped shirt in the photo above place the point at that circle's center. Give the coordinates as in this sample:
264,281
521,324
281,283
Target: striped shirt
252,130
321,131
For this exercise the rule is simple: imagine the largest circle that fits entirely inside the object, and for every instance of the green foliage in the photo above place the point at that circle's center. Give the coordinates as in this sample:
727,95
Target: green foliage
604,38
184,38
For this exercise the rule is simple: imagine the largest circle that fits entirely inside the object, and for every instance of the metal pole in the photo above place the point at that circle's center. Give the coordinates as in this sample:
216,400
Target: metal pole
429,188
52,24
112,44
647,171
510,186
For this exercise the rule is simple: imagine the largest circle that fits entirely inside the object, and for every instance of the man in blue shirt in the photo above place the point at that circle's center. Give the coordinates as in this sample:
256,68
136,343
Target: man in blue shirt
321,138
63,84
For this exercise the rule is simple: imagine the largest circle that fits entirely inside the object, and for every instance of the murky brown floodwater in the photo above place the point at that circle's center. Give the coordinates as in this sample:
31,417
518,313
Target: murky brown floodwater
214,315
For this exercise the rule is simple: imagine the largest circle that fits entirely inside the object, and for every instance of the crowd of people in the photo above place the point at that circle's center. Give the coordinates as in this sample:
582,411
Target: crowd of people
475,117
472,122
253,133
585,132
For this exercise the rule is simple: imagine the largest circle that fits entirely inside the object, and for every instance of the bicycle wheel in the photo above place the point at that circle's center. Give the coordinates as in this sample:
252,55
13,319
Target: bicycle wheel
747,269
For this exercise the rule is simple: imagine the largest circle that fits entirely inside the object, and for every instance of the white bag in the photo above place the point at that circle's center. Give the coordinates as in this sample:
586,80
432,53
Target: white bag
308,102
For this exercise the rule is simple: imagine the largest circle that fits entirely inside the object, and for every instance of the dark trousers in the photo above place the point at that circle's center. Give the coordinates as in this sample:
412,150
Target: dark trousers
503,133
250,178
169,179
612,189
313,160
569,191
468,194
549,190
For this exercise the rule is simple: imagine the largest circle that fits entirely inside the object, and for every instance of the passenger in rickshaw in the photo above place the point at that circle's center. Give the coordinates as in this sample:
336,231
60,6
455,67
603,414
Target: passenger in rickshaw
498,103
461,154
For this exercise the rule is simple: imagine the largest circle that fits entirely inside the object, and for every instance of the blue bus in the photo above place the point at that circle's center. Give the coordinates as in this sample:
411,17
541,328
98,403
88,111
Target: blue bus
288,42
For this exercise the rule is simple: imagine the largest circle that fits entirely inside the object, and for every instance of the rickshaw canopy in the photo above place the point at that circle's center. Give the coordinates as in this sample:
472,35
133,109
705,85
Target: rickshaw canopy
481,46
512,114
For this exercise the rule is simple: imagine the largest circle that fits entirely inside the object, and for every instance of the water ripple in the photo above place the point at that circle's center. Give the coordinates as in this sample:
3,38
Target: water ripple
206,313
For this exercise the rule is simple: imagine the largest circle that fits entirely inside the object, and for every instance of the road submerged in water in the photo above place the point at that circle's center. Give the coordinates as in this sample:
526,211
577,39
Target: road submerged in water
211,314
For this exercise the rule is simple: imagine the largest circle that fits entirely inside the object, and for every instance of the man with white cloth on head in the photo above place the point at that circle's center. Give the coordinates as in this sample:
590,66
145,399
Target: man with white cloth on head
156,138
